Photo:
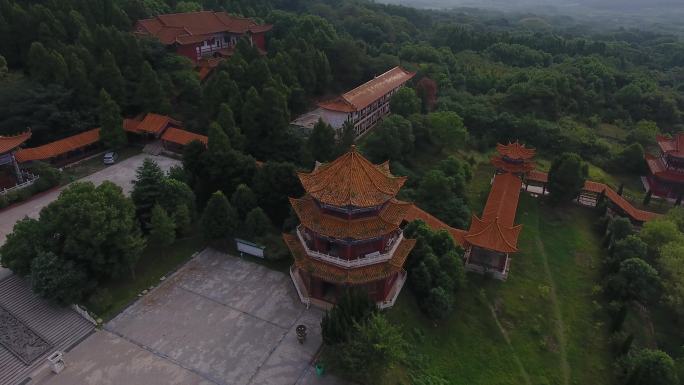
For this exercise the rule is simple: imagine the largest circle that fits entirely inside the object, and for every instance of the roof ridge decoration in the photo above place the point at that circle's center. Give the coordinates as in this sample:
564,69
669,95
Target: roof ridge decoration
10,142
351,180
495,235
515,150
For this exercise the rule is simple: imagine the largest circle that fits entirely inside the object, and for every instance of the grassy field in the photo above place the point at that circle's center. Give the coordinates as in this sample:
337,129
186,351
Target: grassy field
155,263
541,326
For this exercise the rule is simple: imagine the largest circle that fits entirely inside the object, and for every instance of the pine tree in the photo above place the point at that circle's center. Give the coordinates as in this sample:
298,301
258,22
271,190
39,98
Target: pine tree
149,95
147,189
219,219
162,227
227,121
112,133
110,78
243,199
218,141
321,142
83,91
39,63
3,68
257,223
183,219
251,118
347,138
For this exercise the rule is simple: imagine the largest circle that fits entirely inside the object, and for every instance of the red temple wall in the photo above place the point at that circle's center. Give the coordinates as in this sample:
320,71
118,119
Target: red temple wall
377,290
259,40
188,51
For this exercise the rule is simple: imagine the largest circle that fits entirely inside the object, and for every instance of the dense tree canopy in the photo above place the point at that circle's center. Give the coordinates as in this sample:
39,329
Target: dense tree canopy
566,177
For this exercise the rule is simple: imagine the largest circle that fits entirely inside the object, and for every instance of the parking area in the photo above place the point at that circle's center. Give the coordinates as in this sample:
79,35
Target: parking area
218,320
122,173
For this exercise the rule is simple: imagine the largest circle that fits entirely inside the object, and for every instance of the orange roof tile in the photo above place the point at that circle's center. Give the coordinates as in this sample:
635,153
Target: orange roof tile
131,124
660,170
9,143
206,66
517,168
538,176
496,230
627,208
672,146
357,275
416,213
493,235
387,221
59,147
192,27
351,180
594,187
182,137
515,150
365,94
155,124
598,188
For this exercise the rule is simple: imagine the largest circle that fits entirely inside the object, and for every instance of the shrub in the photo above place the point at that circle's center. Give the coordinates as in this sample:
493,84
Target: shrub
257,223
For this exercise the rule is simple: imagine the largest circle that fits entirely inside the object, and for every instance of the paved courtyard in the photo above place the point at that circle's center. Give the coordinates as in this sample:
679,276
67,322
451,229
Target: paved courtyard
122,173
218,320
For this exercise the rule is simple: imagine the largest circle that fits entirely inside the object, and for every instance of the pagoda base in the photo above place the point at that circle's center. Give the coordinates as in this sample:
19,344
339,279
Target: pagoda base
322,294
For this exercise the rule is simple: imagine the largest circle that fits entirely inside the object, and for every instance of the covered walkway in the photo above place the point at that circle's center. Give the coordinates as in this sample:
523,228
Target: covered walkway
589,196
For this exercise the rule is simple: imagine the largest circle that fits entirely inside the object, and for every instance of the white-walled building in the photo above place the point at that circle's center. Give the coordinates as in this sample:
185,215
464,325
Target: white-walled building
366,104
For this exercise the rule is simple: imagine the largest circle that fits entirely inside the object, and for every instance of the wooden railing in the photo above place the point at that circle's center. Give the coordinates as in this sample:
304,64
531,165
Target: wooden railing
366,260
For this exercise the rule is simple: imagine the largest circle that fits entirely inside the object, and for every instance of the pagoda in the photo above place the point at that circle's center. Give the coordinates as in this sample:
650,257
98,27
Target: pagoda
667,169
350,233
514,158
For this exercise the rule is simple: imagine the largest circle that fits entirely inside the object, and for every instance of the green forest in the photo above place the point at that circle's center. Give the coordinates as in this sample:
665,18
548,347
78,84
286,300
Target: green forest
482,78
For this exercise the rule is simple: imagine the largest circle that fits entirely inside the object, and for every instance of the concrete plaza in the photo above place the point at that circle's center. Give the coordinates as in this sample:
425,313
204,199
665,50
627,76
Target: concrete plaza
218,320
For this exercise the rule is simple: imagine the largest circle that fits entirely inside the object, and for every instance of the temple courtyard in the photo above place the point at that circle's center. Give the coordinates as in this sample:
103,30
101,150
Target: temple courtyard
217,320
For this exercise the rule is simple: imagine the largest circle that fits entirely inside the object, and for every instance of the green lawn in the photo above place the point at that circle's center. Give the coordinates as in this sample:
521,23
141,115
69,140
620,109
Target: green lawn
546,309
155,263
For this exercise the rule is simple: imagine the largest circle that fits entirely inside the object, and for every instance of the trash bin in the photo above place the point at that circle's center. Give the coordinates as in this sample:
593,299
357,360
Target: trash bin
320,369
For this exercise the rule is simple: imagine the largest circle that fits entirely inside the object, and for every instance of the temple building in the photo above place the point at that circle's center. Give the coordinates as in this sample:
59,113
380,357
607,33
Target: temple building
514,158
364,106
350,232
203,35
493,237
666,177
11,175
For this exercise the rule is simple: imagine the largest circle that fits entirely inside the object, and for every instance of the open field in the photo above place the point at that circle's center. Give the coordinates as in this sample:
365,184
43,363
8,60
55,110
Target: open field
542,326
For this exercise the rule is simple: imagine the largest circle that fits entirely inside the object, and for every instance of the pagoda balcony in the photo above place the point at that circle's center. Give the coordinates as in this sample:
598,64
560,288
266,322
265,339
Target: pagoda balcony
367,259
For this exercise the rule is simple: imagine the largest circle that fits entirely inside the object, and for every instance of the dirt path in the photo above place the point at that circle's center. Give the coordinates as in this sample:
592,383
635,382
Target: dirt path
523,372
560,325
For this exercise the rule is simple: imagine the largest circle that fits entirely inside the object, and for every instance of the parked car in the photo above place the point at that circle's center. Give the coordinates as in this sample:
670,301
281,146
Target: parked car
110,157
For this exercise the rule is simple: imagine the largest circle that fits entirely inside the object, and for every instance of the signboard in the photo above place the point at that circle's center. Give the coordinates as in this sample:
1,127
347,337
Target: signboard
249,248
